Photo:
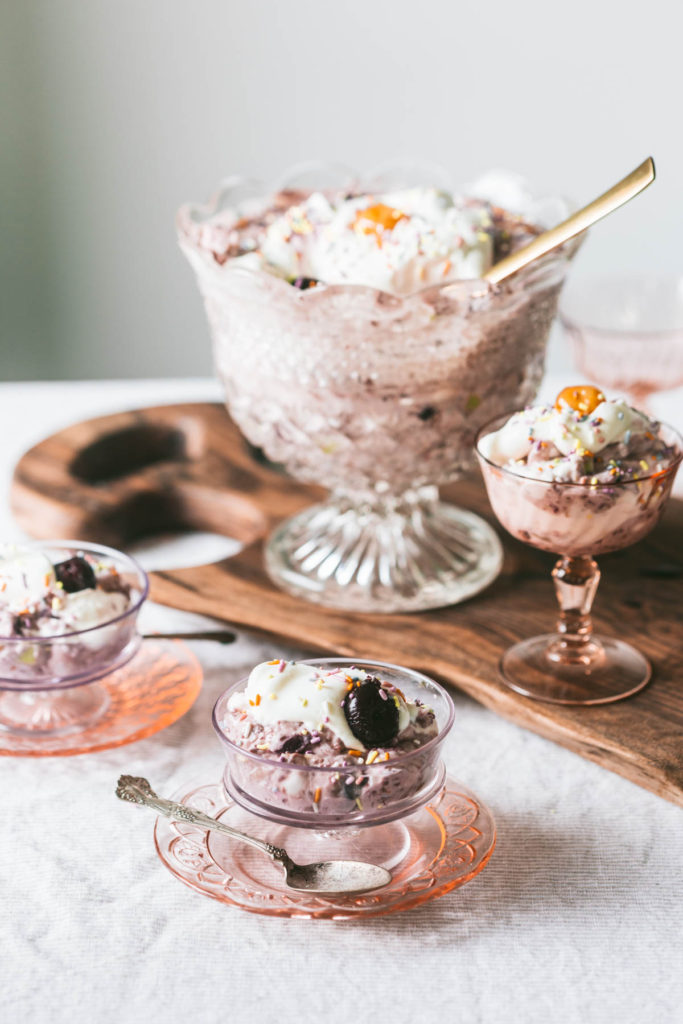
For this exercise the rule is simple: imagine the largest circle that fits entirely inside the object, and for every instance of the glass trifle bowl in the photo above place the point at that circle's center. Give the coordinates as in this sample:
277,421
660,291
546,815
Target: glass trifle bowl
376,396
577,521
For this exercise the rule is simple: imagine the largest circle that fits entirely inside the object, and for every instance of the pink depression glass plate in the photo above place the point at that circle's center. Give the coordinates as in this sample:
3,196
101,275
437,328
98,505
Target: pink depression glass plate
429,853
152,691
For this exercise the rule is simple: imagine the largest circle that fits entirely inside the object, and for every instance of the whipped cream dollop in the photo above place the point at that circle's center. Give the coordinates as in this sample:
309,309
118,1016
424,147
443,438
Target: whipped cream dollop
26,578
396,241
33,602
289,691
611,441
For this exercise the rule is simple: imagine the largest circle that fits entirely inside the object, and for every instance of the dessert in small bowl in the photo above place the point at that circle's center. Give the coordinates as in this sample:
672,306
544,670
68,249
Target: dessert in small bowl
585,476
333,742
331,759
360,348
68,617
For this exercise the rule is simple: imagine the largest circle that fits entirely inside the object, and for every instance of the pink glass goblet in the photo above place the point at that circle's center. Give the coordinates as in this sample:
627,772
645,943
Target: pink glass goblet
573,665
627,333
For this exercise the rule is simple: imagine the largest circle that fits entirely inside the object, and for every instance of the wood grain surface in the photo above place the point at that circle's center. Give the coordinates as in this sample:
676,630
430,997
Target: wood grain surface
120,477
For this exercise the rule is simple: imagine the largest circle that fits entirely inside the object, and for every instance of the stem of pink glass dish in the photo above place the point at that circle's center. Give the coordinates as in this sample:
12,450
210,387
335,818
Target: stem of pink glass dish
576,581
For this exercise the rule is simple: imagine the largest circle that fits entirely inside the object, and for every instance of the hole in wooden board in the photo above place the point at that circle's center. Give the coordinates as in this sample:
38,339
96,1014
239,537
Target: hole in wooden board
132,449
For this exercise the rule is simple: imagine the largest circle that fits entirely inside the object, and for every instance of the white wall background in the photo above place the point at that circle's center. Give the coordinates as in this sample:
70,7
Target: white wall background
116,111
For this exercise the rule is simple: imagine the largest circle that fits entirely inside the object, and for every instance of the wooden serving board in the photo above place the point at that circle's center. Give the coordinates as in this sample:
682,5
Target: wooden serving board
120,477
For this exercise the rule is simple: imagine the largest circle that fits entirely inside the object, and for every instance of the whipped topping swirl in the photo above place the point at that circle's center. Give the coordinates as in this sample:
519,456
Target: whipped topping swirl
34,603
609,443
26,578
396,241
289,691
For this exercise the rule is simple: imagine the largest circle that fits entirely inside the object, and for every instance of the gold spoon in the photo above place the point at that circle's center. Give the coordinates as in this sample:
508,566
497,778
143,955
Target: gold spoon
611,200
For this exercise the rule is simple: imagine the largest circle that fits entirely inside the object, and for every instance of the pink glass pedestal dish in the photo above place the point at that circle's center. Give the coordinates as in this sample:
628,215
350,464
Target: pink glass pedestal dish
430,852
94,688
152,691
377,398
431,833
49,684
627,333
573,665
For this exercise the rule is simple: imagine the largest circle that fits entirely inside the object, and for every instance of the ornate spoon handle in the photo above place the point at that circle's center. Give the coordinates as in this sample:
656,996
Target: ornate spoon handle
137,790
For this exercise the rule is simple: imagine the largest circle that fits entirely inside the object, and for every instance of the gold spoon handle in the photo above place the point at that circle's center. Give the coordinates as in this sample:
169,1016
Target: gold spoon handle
611,200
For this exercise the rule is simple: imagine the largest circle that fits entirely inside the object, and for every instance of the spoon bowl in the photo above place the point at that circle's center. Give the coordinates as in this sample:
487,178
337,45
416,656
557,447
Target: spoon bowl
326,878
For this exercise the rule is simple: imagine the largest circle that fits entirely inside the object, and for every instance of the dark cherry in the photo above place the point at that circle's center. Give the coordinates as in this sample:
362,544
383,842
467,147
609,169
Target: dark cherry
426,413
353,787
23,623
294,745
75,574
371,713
304,282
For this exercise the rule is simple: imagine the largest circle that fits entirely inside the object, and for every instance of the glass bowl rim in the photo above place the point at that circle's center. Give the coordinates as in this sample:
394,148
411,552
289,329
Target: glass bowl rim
659,474
395,762
570,320
187,211
92,549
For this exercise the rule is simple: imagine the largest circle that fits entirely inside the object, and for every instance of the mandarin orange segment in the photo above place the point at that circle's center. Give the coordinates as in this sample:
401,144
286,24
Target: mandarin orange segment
379,217
583,398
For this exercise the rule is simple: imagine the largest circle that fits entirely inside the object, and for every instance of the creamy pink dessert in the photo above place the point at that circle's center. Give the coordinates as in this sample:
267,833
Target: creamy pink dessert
584,476
356,340
40,599
329,740
398,241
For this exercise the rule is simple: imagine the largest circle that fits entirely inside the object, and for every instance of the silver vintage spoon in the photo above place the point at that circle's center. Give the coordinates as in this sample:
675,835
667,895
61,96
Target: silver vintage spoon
326,877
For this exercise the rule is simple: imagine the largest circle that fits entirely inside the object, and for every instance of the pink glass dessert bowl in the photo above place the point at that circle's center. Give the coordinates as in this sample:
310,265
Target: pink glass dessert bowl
627,332
377,397
577,521
319,797
48,683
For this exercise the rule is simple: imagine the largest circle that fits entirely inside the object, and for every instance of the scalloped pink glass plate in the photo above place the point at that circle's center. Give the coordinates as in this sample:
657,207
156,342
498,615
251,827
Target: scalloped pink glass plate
155,689
436,849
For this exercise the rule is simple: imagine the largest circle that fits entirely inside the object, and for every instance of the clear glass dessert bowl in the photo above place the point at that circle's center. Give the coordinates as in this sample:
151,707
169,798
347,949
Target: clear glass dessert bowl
405,814
358,795
577,521
379,399
627,332
49,684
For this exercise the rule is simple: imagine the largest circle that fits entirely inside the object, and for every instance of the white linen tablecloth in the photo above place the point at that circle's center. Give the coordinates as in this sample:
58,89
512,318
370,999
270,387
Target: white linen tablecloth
576,918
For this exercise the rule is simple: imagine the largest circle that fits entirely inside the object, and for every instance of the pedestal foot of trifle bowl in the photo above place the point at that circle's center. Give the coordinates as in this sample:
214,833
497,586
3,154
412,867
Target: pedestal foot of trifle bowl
384,556
439,847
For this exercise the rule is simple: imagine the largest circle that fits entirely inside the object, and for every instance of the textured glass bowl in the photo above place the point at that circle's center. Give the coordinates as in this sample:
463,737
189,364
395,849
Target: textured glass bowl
48,684
378,398
577,521
307,796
